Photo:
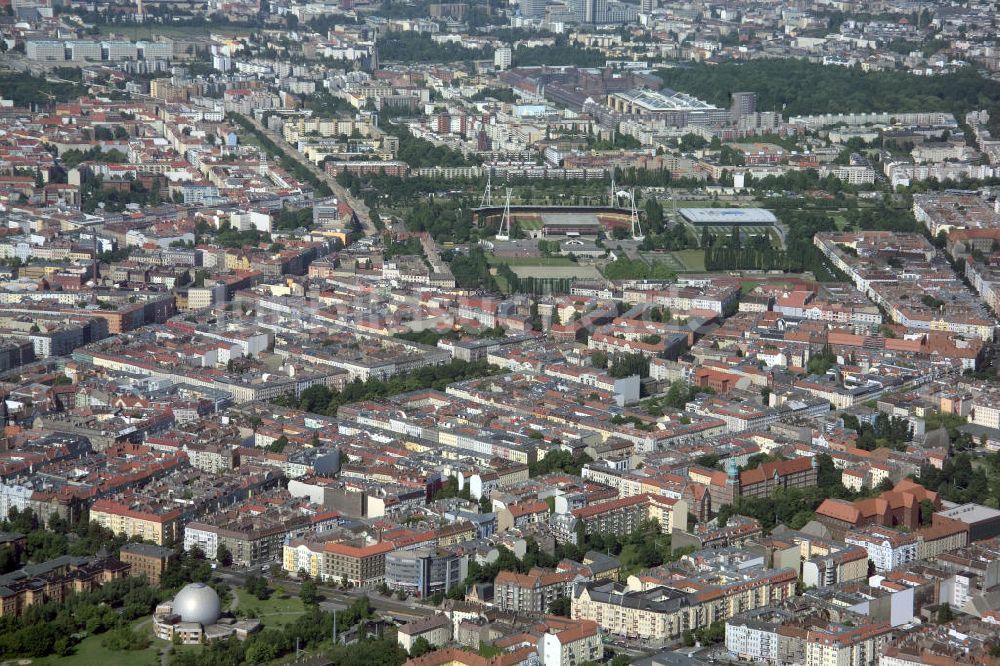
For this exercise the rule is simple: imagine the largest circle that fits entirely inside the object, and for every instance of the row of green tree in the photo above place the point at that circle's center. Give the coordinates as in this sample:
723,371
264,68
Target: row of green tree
802,87
961,481
289,219
559,54
662,236
56,538
731,254
890,432
531,284
418,152
229,236
325,105
471,270
446,220
621,365
431,338
25,89
322,400
73,157
94,195
677,396
391,247
420,47
558,460
499,94
288,162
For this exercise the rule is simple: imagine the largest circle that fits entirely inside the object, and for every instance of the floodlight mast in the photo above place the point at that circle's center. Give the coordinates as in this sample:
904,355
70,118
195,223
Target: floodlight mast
503,233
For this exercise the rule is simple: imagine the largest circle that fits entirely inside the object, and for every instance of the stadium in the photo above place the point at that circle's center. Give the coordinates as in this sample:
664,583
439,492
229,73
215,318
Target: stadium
559,221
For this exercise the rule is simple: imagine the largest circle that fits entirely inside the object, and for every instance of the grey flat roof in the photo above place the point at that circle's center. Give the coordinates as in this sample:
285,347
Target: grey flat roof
147,549
971,513
728,215
671,101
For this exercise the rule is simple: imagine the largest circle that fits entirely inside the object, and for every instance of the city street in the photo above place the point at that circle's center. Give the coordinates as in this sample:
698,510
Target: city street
358,205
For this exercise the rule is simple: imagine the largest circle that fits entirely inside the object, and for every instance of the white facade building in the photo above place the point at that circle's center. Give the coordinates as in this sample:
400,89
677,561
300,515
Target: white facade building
886,549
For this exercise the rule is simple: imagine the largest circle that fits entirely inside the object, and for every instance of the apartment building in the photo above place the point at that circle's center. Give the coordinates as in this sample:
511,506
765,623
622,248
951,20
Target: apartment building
532,592
147,560
829,564
753,636
659,604
779,636
302,555
852,174
887,549
620,516
739,416
53,581
943,536
985,411
833,645
522,514
625,484
578,644
359,565
158,523
250,538
435,629
659,614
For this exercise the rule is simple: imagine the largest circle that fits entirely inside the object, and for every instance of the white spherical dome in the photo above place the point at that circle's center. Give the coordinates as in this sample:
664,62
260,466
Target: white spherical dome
198,602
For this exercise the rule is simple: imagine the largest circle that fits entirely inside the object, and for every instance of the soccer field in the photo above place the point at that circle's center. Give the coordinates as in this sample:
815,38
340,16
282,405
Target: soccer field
682,261
693,260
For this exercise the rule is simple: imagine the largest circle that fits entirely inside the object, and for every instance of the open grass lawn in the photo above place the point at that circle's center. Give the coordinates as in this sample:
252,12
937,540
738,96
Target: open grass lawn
271,612
90,652
630,562
627,558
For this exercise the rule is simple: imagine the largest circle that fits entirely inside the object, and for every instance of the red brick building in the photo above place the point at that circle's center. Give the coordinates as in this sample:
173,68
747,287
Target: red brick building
897,507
